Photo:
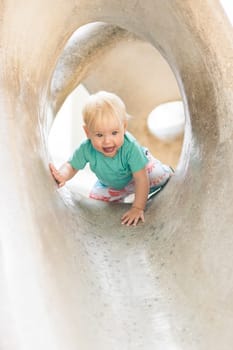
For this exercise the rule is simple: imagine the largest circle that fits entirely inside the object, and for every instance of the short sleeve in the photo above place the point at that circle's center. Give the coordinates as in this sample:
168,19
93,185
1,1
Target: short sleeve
137,159
79,158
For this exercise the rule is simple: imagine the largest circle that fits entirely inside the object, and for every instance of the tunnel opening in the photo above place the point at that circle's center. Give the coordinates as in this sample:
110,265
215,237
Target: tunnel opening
100,56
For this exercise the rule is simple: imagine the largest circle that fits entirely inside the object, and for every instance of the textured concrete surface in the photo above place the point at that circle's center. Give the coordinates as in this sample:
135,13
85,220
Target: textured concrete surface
71,276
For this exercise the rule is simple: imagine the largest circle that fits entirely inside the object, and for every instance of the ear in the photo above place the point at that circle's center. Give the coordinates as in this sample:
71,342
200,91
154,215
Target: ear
125,124
86,131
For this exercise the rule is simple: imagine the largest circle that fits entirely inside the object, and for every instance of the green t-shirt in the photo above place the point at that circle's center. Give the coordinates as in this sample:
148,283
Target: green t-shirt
115,171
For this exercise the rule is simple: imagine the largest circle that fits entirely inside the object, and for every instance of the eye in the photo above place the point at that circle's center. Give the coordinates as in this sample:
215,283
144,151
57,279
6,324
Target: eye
98,134
114,132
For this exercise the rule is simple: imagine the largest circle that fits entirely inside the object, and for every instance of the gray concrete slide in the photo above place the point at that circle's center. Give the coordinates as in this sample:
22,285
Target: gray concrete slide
73,278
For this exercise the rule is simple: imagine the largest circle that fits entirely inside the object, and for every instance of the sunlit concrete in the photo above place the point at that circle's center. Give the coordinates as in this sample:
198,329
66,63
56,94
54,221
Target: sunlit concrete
71,276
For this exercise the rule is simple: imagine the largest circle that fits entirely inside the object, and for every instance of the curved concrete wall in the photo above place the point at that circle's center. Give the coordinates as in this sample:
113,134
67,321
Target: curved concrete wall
71,276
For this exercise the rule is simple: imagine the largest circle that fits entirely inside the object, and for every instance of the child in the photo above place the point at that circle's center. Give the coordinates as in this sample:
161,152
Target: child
121,165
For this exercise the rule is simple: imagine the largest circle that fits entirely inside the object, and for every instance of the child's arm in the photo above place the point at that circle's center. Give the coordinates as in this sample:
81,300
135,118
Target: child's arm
65,173
136,213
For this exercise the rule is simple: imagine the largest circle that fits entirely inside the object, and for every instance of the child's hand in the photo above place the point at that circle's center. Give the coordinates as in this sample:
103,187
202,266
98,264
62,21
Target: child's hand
60,180
132,216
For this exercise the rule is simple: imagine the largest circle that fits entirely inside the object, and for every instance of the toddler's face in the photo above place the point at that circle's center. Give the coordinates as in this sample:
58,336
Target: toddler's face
108,137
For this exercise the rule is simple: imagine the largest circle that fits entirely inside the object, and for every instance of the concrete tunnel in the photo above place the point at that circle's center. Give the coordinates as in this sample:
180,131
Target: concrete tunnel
71,276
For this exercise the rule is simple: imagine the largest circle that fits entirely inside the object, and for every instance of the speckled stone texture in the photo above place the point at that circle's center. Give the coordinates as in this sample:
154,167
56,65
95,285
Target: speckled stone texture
71,276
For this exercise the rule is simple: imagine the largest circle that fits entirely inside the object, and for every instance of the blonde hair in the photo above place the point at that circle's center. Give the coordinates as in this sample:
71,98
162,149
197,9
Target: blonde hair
101,106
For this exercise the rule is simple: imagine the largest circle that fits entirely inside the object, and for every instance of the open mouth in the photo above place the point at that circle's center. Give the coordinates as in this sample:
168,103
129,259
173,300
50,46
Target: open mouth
109,149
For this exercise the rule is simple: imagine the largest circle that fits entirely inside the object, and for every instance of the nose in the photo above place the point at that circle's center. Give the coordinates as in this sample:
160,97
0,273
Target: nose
107,139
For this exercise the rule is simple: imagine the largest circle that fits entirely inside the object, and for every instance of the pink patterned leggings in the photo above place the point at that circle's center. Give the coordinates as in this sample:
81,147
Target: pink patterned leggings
158,174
